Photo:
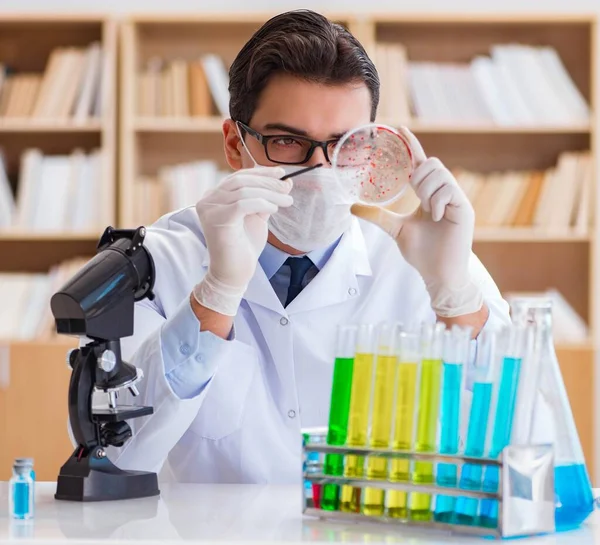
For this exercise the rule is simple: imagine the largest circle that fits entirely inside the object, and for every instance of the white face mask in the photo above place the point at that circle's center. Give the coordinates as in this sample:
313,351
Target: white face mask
320,213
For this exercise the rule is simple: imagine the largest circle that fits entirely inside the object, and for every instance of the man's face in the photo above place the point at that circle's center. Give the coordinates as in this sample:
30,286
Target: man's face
290,106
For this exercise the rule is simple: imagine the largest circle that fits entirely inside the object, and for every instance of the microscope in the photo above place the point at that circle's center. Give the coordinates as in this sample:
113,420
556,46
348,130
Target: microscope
98,305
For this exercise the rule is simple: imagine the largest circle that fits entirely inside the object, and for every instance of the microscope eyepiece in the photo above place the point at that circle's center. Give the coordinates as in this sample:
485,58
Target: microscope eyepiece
98,301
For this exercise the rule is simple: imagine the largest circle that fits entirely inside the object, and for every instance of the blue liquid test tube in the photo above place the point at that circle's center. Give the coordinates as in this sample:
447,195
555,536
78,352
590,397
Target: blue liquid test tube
471,475
517,340
457,343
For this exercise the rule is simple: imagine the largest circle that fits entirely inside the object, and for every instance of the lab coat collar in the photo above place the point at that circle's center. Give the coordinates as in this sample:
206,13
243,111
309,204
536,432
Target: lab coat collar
335,283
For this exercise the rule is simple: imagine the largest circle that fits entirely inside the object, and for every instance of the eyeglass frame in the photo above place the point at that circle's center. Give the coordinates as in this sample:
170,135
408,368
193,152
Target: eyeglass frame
314,144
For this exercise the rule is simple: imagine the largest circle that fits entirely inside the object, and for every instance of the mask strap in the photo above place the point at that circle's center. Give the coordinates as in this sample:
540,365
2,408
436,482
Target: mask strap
244,143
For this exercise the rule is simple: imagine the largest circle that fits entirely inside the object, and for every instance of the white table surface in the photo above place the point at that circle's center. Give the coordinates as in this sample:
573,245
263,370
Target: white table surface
221,514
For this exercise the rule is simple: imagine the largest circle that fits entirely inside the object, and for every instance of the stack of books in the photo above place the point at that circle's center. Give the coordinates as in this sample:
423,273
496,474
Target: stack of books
69,88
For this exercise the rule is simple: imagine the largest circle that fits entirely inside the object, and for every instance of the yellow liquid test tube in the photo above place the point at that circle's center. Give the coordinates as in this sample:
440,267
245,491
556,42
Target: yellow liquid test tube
358,416
386,365
427,418
409,358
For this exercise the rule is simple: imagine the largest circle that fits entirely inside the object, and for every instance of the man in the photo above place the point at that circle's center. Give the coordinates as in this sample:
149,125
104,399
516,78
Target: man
238,346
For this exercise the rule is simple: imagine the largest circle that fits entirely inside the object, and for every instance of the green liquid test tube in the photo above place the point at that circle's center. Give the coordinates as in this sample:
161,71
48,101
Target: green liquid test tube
358,421
409,358
338,411
427,418
386,366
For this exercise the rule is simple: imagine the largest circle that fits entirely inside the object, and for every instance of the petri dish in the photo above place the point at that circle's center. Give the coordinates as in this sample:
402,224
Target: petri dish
373,163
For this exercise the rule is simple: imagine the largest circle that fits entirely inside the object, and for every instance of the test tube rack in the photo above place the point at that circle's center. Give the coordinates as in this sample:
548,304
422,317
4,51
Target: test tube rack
525,492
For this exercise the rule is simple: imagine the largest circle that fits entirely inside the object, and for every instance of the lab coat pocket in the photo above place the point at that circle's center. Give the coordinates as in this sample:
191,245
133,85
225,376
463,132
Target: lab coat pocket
222,411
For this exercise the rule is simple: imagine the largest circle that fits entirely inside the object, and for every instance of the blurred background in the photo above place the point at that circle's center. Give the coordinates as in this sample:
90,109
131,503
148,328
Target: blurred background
113,117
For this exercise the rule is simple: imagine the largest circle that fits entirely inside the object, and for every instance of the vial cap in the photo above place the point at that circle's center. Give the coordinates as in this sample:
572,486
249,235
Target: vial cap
28,461
22,469
23,465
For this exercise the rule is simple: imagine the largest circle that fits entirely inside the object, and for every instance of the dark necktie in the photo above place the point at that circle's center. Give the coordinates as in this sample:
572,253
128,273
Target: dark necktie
299,267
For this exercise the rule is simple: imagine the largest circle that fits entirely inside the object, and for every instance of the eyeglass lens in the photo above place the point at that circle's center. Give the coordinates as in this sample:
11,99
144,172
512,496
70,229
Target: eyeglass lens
291,149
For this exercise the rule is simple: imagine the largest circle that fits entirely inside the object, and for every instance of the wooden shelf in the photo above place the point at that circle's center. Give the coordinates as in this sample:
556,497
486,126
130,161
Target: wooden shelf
54,341
584,345
51,17
190,124
48,126
483,18
239,16
214,124
24,236
27,41
527,235
495,129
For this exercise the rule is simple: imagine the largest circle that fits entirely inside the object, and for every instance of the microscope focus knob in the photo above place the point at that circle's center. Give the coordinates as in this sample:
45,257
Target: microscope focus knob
72,357
107,361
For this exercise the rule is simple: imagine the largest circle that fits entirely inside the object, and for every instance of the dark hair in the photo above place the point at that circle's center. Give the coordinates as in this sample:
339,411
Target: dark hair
304,44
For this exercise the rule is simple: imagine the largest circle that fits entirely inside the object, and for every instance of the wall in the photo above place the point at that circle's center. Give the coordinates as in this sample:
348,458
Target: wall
128,6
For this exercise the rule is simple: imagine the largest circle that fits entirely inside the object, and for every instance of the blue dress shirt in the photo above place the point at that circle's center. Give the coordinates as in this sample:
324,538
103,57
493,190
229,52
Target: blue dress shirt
272,262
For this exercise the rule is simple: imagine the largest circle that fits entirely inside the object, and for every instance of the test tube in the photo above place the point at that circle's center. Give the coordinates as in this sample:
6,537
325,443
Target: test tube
427,419
338,411
358,421
516,341
528,385
386,366
403,428
457,343
484,378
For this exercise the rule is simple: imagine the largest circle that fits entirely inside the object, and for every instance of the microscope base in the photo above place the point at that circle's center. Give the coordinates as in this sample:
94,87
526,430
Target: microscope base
94,479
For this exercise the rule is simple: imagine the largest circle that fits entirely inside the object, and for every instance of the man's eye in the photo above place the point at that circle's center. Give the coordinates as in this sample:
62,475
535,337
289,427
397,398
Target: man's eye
286,142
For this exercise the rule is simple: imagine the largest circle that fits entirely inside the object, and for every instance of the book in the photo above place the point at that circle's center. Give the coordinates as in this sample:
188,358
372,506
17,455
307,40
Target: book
25,312
555,201
174,187
515,85
61,193
67,89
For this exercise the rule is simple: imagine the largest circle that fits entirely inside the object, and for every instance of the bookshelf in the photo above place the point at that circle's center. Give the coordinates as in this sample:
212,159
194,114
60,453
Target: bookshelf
520,259
524,258
27,45
33,373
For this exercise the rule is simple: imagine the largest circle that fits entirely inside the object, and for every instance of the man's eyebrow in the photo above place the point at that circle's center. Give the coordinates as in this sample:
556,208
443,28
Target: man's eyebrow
285,128
293,130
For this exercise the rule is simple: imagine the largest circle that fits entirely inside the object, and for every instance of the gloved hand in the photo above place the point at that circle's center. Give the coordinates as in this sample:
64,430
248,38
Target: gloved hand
234,218
437,238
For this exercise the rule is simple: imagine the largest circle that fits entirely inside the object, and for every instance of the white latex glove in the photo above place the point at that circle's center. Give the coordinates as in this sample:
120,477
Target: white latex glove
234,218
437,238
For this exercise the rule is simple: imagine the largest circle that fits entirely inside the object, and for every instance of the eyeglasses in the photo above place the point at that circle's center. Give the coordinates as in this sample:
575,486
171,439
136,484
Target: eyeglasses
286,149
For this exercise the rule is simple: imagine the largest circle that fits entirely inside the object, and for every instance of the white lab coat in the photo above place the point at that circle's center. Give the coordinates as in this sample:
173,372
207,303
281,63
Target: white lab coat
274,377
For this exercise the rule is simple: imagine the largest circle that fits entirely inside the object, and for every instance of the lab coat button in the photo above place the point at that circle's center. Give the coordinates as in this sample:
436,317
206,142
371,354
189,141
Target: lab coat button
199,358
292,413
352,291
284,321
185,349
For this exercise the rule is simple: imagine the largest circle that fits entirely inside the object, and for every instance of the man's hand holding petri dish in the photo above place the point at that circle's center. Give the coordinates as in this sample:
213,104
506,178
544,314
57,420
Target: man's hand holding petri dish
436,239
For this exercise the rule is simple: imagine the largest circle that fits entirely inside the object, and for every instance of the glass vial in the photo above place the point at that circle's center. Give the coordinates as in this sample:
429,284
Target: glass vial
21,493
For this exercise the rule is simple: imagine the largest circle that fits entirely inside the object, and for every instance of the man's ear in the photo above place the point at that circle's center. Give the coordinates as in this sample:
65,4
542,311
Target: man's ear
232,144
